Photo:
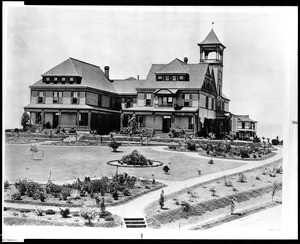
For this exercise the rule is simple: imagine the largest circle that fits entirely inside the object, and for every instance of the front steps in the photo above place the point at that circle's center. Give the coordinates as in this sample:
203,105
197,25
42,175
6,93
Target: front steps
135,222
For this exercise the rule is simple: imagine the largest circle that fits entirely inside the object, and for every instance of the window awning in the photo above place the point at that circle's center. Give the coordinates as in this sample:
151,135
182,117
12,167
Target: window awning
165,91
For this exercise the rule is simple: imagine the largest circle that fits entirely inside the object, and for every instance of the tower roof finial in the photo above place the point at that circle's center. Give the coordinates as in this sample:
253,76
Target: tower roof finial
212,25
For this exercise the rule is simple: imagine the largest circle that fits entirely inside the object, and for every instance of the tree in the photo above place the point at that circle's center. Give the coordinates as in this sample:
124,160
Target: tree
161,199
232,205
25,120
102,204
274,190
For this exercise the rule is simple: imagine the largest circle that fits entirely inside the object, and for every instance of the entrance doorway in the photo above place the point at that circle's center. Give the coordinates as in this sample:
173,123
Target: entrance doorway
55,120
166,124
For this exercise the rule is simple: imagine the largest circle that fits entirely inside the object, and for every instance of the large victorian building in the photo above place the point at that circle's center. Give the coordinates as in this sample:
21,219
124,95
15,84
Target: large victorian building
183,94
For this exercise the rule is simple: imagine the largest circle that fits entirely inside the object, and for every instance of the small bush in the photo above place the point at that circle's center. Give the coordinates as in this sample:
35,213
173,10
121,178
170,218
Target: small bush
115,195
50,212
88,214
185,206
275,142
242,178
39,212
279,170
16,195
258,177
21,186
191,145
53,189
114,145
234,189
228,183
6,184
176,132
104,214
75,194
64,212
48,125
66,192
109,218
126,192
211,161
213,191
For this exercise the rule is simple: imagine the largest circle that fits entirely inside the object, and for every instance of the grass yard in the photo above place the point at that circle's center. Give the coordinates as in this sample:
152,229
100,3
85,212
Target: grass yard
69,163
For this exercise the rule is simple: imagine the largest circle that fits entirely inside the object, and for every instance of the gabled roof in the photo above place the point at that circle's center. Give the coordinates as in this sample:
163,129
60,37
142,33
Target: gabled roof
92,75
211,39
127,86
196,74
174,67
244,118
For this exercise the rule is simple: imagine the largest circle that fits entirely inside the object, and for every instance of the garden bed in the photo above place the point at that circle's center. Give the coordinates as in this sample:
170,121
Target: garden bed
215,195
117,163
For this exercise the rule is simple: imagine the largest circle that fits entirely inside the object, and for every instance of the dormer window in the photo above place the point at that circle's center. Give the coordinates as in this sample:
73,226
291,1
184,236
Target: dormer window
167,78
159,77
47,80
63,80
181,77
174,78
71,80
55,80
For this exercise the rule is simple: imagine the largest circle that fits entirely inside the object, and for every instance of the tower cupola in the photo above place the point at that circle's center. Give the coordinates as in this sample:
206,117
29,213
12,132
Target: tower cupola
211,49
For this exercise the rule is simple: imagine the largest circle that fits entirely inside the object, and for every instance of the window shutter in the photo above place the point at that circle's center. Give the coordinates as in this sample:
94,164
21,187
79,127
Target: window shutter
78,100
152,98
43,99
60,100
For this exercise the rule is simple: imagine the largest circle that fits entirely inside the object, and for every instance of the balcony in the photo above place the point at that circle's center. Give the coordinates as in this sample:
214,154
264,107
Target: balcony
210,61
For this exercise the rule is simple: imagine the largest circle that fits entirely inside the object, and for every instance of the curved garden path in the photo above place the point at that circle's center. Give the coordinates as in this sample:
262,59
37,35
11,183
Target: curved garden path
136,207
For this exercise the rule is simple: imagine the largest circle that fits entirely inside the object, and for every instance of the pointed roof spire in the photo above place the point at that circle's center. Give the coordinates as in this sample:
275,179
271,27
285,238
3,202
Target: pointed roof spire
211,38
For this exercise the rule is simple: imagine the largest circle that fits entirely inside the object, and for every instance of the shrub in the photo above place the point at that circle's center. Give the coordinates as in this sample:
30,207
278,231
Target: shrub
65,192
234,189
257,177
16,195
191,145
166,169
21,186
6,184
75,194
244,153
242,178
109,218
114,145
25,120
135,158
126,192
88,214
104,214
275,142
50,212
213,191
32,188
211,161
115,195
185,206
161,199
176,132
64,212
48,125
52,188
130,182
39,212
173,146
228,183
279,170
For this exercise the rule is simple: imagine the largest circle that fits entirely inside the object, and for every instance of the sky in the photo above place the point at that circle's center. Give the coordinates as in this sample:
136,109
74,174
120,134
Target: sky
257,72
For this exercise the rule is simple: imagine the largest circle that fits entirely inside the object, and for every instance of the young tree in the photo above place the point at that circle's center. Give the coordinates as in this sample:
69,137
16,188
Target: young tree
25,120
161,199
274,190
232,205
102,205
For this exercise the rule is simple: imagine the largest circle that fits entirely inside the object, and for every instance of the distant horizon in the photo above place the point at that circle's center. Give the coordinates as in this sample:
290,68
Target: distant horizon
129,40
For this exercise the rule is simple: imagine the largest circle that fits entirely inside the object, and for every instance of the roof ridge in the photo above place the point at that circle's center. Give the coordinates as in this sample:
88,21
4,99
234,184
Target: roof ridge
73,66
84,62
181,64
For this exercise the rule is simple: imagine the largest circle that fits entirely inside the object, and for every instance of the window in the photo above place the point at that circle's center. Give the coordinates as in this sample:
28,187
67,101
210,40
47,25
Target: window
55,80
186,99
99,100
71,80
159,77
174,78
170,99
47,80
83,119
74,98
63,80
141,121
165,100
212,103
167,78
148,99
243,125
191,123
206,102
41,98
128,102
181,77
55,97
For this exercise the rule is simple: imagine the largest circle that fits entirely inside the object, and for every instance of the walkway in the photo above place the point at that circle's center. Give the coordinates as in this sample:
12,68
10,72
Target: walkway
136,207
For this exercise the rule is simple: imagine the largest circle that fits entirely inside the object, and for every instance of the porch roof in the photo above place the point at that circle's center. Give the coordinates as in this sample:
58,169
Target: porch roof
161,109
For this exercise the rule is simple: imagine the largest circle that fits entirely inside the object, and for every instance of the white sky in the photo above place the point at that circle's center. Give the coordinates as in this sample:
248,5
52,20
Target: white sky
260,43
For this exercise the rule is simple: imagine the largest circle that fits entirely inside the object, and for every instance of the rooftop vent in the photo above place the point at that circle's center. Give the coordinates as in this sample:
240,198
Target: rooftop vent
185,60
106,71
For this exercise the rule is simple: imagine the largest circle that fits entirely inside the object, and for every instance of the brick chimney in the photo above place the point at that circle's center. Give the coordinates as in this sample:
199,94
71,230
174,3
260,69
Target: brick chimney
106,71
138,77
185,60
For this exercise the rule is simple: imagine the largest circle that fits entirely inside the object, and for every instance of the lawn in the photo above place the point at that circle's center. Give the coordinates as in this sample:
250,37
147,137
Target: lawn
68,163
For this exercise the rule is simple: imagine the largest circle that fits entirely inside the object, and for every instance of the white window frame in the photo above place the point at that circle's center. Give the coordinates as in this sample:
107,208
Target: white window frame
71,79
148,96
47,78
63,79
55,78
186,97
181,77
166,78
170,99
173,77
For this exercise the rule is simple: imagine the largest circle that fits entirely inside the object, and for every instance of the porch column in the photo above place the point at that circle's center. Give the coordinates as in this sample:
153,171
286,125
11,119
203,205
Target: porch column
77,118
43,117
59,117
121,120
89,119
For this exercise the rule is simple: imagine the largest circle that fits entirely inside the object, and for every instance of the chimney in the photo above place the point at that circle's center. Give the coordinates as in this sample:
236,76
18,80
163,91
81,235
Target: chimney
138,77
106,71
185,60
